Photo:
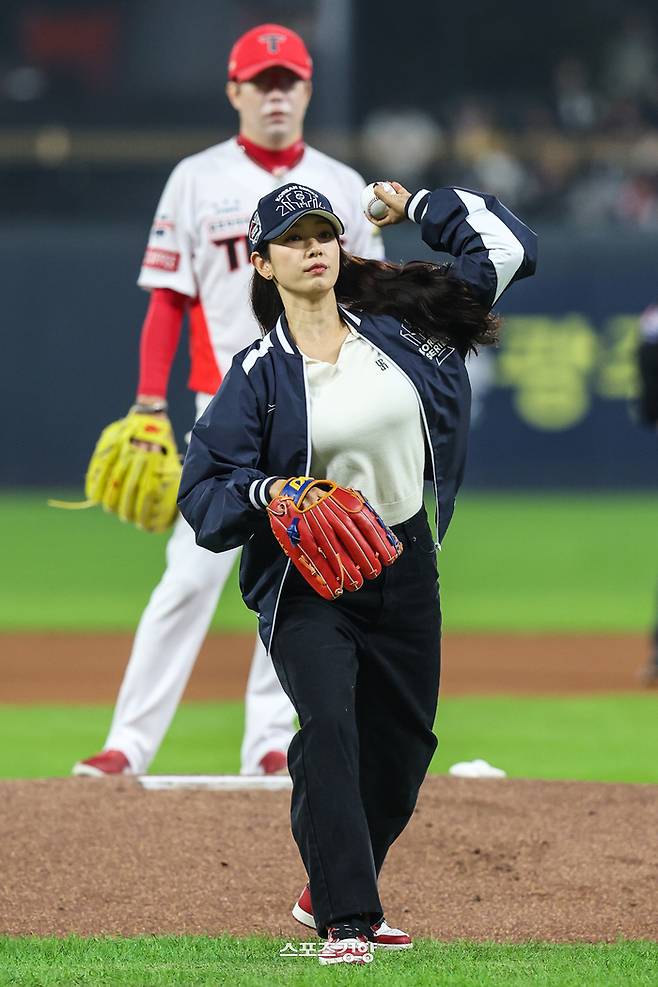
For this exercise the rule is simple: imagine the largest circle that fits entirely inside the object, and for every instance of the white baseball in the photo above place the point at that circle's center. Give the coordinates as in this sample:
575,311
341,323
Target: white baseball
373,207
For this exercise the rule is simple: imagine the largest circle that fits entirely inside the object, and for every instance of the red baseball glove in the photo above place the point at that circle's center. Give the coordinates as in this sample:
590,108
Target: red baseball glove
336,542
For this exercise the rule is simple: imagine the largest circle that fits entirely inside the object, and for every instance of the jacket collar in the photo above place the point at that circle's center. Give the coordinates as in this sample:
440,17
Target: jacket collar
350,317
282,337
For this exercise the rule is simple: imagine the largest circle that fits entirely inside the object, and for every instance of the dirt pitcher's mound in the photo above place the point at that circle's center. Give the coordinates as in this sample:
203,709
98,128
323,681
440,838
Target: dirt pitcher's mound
499,860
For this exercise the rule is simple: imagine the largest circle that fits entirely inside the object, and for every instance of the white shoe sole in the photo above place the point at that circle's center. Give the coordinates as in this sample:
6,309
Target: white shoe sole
81,770
303,917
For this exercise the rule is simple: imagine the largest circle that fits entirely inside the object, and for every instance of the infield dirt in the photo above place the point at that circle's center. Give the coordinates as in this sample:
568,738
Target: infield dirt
87,668
506,861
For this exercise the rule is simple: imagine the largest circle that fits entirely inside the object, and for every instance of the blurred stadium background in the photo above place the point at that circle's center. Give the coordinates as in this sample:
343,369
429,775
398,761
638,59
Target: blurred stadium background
552,107
555,109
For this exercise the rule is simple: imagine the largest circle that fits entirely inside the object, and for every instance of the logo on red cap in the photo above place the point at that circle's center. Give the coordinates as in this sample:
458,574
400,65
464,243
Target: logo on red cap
272,41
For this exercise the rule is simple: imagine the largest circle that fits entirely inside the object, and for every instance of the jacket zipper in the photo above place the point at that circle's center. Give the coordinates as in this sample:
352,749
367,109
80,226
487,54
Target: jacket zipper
307,401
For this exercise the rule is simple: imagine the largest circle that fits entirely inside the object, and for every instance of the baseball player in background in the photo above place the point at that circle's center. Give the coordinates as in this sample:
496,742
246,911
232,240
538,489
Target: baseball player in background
197,264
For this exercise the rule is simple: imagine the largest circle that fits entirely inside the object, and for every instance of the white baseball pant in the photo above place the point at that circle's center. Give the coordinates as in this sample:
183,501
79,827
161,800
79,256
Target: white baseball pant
166,646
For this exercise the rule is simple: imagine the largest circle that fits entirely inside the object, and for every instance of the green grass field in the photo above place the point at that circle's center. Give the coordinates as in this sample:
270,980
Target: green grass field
509,563
602,738
255,962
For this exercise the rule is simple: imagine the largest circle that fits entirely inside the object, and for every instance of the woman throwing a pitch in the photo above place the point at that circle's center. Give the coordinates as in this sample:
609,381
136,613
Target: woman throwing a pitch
359,380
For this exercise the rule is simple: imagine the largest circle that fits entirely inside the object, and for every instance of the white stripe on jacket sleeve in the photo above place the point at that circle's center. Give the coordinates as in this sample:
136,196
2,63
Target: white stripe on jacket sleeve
505,250
413,212
253,491
258,492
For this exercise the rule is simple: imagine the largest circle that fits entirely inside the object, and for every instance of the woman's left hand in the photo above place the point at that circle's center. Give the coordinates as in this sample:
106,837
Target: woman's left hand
396,202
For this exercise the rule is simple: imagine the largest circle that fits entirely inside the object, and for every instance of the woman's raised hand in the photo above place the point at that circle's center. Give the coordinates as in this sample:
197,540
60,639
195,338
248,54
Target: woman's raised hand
396,202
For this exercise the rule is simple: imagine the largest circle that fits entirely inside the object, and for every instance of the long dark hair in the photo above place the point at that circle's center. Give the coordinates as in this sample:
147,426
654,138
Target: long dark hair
424,295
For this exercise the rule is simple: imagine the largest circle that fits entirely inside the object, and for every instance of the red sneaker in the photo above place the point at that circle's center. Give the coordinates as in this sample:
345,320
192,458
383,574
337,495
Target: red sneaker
103,764
383,936
345,945
302,910
274,763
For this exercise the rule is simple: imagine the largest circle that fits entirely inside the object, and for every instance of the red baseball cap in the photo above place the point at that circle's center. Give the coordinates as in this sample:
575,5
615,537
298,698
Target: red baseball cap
266,46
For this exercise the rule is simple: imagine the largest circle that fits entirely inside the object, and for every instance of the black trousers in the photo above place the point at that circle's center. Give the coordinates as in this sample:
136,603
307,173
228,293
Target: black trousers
363,675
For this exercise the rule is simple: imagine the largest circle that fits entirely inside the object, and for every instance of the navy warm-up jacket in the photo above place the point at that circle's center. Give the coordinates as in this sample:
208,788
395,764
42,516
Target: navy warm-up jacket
258,424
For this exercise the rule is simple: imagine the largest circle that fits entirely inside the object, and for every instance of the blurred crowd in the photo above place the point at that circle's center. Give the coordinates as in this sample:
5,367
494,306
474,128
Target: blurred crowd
579,143
587,152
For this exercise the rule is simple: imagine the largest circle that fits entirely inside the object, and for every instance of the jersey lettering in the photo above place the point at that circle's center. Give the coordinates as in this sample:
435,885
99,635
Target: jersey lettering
235,260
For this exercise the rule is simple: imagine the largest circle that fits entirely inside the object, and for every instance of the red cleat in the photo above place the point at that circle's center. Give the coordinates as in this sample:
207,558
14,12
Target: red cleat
274,763
103,765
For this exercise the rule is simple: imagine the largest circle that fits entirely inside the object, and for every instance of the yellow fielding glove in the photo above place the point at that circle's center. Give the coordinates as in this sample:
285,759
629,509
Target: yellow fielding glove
136,483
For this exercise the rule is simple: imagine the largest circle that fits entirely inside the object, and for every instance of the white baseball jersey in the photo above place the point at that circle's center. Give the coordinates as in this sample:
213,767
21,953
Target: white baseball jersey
198,243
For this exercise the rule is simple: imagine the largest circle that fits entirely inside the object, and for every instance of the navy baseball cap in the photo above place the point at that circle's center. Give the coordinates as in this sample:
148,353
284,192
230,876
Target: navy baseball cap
278,210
